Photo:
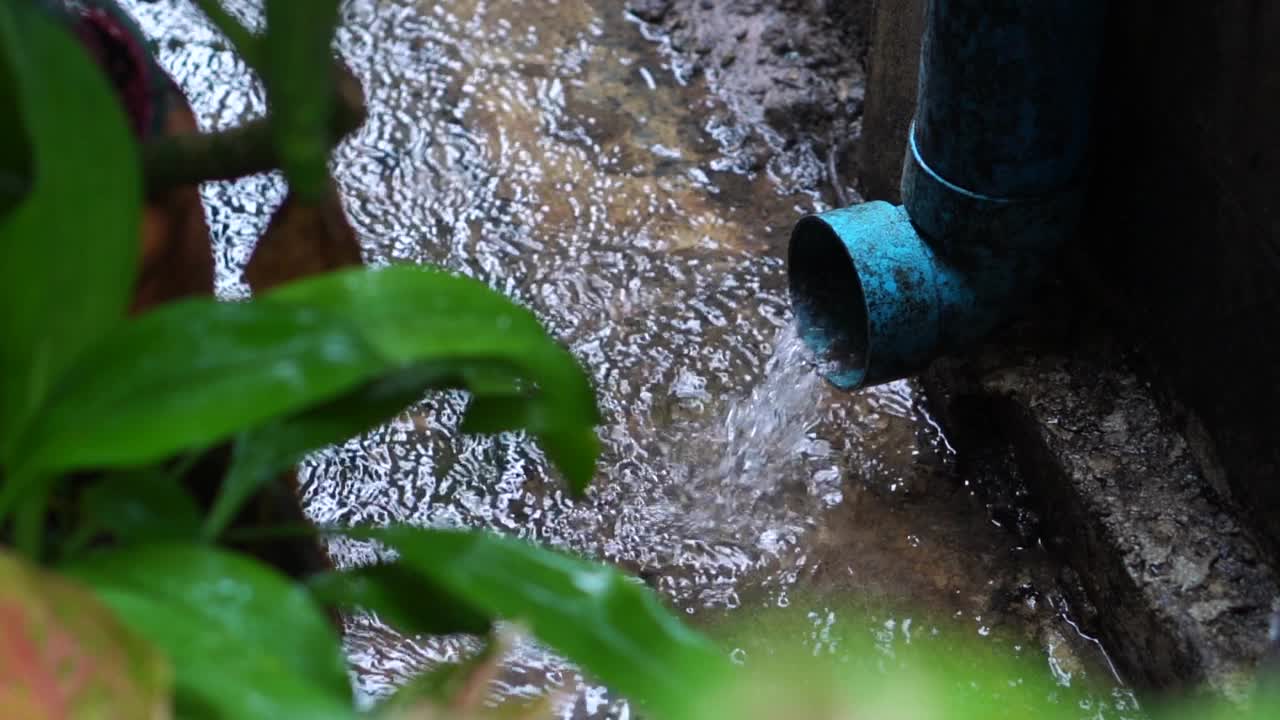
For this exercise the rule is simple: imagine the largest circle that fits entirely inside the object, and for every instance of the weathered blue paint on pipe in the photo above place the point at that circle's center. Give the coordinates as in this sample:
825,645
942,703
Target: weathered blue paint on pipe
873,298
992,186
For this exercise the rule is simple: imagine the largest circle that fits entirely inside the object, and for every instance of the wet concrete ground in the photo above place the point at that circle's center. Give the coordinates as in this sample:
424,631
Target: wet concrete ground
551,150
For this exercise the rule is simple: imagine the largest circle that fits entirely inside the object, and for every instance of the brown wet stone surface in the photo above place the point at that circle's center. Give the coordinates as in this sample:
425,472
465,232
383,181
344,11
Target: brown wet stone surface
553,152
794,69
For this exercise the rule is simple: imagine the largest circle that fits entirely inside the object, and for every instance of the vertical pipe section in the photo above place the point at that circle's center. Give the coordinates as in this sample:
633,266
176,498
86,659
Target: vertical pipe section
997,151
1005,92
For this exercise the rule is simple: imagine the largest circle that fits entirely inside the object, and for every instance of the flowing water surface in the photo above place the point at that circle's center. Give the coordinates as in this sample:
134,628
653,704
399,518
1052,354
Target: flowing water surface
552,150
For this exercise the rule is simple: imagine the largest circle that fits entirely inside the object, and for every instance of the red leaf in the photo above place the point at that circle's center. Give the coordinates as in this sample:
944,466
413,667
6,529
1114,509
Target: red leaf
64,656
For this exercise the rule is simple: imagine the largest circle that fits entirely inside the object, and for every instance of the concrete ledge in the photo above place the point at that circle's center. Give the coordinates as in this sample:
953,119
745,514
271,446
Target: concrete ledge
1169,577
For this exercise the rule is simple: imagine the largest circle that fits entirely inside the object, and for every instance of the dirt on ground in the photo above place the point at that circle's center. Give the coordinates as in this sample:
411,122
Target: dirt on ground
792,70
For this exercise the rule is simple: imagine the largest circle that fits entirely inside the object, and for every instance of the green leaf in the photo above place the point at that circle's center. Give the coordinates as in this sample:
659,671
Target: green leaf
263,452
615,628
481,342
297,67
187,375
246,642
496,414
865,658
15,151
1264,704
410,601
140,505
69,250
64,655
190,374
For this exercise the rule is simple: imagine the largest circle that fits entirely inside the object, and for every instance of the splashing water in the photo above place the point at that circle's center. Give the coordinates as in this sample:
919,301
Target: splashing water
773,424
763,440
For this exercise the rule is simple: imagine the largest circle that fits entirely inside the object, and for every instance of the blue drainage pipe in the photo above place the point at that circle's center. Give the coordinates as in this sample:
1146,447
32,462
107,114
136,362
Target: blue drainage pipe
992,185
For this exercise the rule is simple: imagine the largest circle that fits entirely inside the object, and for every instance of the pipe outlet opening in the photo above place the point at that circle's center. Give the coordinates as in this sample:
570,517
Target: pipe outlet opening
828,302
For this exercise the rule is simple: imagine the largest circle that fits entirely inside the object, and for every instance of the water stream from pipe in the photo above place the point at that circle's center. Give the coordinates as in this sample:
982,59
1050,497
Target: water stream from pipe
731,473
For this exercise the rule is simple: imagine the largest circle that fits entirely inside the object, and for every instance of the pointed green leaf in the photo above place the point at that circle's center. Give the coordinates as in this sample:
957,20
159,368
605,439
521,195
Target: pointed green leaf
188,375
15,151
265,451
140,505
246,642
485,343
615,628
410,601
69,250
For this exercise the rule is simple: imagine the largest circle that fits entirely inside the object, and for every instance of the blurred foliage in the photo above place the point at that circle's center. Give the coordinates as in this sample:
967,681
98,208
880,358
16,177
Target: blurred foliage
841,657
121,594
64,655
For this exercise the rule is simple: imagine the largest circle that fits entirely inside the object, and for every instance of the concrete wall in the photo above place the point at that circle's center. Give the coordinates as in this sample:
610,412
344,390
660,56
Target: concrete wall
1185,234
1182,242
891,95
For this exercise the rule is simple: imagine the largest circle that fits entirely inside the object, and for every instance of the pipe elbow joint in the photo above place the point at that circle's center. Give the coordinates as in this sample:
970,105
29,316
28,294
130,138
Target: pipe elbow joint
991,188
880,290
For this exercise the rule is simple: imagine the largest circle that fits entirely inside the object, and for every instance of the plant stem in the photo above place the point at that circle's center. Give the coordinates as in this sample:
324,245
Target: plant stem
191,158
245,42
